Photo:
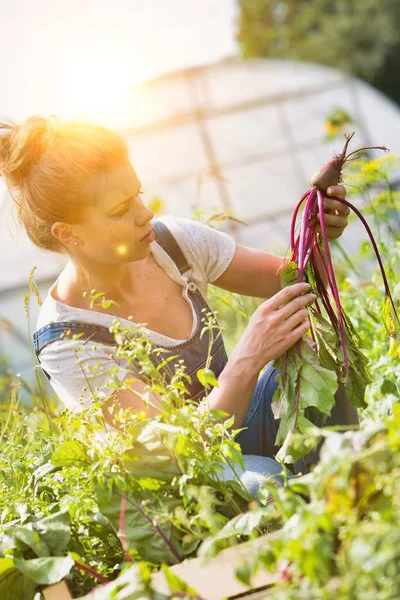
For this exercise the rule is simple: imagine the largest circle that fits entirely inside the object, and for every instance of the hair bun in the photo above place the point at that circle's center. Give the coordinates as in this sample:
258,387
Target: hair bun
22,146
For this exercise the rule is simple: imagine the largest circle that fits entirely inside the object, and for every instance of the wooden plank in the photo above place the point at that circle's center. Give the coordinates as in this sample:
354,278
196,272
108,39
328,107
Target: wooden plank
59,591
260,595
214,578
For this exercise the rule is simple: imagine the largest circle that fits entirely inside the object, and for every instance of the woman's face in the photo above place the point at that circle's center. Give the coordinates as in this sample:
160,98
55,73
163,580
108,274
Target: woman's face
113,230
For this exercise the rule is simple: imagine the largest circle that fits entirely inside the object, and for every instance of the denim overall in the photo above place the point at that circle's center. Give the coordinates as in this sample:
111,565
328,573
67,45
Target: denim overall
257,441
193,351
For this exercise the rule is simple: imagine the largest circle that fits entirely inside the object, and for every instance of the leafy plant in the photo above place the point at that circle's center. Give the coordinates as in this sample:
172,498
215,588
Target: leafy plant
310,372
90,505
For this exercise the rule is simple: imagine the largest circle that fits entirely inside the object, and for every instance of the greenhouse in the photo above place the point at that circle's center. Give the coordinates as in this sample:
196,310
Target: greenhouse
258,457
238,137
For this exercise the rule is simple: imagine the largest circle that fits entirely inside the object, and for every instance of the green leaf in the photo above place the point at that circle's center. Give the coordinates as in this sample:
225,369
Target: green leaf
289,275
152,452
232,451
69,454
359,376
294,446
175,583
6,564
245,572
301,377
242,526
390,320
47,536
207,378
26,538
147,530
134,583
55,532
190,545
45,571
13,585
393,425
216,415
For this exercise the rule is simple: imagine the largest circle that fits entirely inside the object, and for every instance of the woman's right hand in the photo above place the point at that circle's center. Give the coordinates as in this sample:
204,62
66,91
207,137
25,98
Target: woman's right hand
275,326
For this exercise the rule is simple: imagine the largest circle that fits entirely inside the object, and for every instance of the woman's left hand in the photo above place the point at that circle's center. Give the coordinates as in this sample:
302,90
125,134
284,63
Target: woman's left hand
335,213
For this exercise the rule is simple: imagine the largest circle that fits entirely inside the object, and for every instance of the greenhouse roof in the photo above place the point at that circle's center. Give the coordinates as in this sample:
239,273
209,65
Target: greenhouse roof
237,136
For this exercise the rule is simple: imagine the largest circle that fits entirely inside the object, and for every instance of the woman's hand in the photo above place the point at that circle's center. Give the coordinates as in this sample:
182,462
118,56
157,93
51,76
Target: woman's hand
274,327
335,213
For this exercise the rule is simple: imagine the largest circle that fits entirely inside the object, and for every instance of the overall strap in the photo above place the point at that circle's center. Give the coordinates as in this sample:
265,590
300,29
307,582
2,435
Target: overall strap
165,238
99,333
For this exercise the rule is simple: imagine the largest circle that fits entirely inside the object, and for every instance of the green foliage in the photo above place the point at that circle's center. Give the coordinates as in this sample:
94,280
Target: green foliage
79,504
303,382
338,33
339,535
87,504
310,371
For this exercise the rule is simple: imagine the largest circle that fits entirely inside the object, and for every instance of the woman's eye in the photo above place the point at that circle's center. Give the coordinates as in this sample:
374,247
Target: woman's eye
119,214
140,192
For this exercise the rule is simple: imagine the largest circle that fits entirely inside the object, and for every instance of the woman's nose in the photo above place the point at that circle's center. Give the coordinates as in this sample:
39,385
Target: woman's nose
148,215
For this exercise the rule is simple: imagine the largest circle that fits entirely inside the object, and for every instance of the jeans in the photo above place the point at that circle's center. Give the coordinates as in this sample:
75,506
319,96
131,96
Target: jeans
257,441
258,469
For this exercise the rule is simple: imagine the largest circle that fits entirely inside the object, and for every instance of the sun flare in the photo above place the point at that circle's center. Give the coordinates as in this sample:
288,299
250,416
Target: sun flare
122,249
96,85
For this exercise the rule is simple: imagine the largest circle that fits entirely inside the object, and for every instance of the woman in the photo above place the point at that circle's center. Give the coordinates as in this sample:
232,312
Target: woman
78,194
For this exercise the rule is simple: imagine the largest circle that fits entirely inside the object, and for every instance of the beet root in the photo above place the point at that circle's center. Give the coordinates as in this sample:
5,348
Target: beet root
330,174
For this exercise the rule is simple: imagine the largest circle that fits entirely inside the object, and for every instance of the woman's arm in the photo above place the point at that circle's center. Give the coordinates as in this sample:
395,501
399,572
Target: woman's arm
236,384
276,325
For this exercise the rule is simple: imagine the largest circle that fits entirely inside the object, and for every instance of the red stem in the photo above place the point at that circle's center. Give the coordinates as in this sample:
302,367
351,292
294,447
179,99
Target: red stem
294,218
321,290
91,572
371,237
332,282
158,530
304,229
324,295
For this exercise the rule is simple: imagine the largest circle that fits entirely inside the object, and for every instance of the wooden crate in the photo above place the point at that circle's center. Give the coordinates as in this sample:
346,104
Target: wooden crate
213,578
59,591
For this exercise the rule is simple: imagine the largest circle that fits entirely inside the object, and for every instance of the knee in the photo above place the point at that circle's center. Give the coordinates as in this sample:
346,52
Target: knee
258,470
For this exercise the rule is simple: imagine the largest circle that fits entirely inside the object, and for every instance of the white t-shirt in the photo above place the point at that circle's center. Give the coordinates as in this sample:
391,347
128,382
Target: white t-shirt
208,250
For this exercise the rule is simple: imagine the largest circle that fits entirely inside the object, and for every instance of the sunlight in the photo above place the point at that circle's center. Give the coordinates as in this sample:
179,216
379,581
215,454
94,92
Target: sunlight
96,82
122,249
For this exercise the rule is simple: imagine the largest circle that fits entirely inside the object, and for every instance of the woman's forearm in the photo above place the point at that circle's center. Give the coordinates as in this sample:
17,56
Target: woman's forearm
236,385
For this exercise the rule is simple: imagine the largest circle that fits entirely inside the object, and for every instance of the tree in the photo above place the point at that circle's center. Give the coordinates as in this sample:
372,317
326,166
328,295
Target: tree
360,38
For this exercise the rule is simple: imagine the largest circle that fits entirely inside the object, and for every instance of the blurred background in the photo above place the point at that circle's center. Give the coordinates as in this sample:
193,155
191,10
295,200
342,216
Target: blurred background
228,107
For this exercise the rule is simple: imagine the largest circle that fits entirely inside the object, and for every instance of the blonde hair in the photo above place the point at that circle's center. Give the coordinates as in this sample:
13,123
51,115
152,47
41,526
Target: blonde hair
48,167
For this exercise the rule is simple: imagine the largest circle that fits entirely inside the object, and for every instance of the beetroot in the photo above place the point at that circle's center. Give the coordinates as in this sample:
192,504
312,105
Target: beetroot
310,372
330,174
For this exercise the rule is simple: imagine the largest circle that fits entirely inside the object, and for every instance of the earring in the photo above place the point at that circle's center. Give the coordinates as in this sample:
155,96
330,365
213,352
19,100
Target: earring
75,243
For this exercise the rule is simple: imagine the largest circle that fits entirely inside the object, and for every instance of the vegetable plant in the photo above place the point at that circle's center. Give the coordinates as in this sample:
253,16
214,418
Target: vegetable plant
310,372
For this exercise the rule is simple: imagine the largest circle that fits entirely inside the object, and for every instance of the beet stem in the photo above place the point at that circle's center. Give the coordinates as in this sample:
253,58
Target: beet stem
321,288
303,232
294,218
367,148
322,291
91,572
333,281
371,237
